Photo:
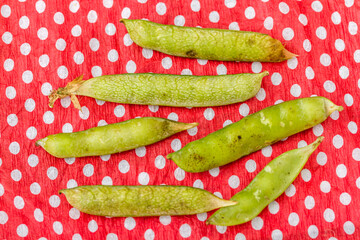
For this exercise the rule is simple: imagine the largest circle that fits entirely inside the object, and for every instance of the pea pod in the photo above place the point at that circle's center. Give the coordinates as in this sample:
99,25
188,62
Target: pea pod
112,138
207,43
141,201
252,133
164,89
268,185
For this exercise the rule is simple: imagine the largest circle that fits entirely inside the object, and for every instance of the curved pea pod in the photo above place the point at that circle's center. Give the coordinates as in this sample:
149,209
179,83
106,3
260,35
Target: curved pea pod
164,89
268,185
112,138
207,43
142,201
252,133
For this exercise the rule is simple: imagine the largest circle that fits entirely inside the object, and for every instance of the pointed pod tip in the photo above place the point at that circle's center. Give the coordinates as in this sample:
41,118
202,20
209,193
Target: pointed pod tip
288,54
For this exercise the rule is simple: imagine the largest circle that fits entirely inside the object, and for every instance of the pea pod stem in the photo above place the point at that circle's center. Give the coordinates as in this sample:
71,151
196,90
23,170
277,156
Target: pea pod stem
267,185
142,201
164,89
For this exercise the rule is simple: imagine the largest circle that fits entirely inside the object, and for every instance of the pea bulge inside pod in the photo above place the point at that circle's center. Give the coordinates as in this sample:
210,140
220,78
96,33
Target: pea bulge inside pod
164,89
112,138
252,133
206,43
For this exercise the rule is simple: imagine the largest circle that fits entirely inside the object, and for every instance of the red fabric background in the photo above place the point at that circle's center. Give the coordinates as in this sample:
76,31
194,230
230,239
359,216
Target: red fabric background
30,178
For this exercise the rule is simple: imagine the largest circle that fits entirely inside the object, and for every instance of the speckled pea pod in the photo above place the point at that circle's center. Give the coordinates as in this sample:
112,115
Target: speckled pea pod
164,89
252,133
268,185
112,138
142,201
207,43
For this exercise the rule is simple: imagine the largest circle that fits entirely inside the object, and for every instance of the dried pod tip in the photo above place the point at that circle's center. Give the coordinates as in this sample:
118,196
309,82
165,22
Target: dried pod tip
288,54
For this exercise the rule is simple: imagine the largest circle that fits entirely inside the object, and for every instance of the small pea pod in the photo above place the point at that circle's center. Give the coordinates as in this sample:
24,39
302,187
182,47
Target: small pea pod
164,89
206,43
252,133
268,185
112,138
142,201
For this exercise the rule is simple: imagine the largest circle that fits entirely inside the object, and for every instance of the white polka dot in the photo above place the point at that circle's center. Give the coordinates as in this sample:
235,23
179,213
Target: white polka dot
344,72
14,148
336,18
221,229
94,44
27,76
58,227
1,190
313,231
10,92
202,61
273,207
179,174
147,53
130,66
60,44
306,175
356,154
48,117
40,6
22,230
78,57
179,20
256,67
261,95
288,33
250,166
62,72
353,28
195,5
33,160
166,63
8,65
19,202
309,73
67,128
269,23
352,127
284,8
59,18
42,33
214,172
302,143
125,13
46,89
52,173
240,236
92,16
257,223
108,3
244,109
70,160
349,3
325,186
227,122
35,188
149,234
321,33
325,59
25,49
161,8
142,1
31,133
307,45
160,162
124,166
129,223
341,171
349,101
186,72
357,56
329,86
144,178
198,184
93,226
113,55
110,30
317,6
338,141
276,235
234,181
230,3
76,236
88,170
201,216
267,151
340,45
44,60
318,130
127,40
96,71
329,215
290,191
349,228
309,202
74,213
140,151
192,131
303,19
54,201
185,230
65,102
7,37
250,13
335,115
209,114
165,220
5,11
293,219
38,215
119,111
214,17
345,198
175,144
74,6
76,31
221,69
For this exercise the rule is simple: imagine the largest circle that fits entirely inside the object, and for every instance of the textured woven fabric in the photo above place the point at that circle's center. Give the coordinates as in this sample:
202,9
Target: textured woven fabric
46,44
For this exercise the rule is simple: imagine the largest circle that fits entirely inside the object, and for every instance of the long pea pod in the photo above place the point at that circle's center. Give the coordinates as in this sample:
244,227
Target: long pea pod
164,89
142,201
206,43
252,133
112,138
268,185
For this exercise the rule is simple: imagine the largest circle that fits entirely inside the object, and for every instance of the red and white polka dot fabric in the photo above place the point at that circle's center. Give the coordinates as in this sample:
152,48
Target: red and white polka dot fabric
45,44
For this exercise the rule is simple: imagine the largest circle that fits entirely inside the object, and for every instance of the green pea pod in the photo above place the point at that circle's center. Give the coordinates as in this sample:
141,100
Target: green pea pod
252,133
112,138
207,43
164,89
142,201
268,185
